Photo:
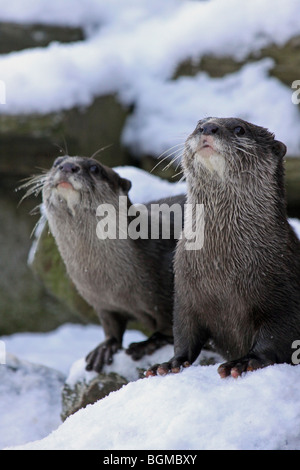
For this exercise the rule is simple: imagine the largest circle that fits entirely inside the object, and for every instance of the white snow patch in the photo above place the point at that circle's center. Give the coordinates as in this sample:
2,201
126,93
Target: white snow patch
192,410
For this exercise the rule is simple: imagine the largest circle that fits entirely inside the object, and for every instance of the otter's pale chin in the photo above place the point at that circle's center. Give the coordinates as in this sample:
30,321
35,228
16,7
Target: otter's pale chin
71,195
211,161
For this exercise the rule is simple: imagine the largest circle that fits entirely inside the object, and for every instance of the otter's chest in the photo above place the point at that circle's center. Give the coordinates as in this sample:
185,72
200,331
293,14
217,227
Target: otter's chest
108,278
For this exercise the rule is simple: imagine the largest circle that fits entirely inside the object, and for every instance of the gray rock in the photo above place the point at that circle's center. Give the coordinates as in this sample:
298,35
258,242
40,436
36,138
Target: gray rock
15,36
32,141
86,392
31,394
82,388
286,62
25,303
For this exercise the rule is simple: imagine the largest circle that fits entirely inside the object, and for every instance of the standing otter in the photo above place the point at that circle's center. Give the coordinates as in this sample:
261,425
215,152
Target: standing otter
242,289
120,278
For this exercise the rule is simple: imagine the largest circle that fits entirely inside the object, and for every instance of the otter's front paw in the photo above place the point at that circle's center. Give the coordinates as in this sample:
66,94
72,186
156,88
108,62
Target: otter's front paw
156,341
102,354
244,364
174,366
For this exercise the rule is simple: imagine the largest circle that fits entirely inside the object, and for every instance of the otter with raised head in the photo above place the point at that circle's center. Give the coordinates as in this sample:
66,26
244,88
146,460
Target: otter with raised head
123,278
242,288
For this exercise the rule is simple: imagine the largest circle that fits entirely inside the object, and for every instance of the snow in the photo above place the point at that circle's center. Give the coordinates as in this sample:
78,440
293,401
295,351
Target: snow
192,410
147,187
133,48
296,226
28,392
155,126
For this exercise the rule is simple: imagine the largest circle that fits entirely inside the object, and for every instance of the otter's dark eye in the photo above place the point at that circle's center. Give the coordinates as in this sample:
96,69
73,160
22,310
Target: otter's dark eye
94,169
239,130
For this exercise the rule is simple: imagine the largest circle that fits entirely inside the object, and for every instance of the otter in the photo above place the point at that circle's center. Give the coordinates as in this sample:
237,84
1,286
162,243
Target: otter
122,279
241,290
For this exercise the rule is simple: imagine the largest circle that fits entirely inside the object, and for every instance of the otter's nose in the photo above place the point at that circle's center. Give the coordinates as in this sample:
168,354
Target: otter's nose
69,167
209,129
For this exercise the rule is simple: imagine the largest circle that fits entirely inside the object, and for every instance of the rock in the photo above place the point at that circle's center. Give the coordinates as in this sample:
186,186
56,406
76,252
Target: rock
286,62
292,175
31,393
33,141
15,36
25,303
82,387
87,389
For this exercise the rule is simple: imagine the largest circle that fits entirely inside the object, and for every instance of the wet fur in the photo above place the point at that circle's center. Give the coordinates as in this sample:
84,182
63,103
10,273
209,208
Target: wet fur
242,289
122,279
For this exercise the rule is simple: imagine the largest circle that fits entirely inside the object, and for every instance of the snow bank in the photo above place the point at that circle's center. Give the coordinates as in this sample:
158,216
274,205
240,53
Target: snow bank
57,349
159,124
30,403
192,410
147,187
132,49
90,13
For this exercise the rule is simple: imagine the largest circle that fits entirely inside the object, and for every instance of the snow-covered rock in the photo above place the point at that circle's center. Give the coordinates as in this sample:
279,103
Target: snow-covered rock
195,409
30,400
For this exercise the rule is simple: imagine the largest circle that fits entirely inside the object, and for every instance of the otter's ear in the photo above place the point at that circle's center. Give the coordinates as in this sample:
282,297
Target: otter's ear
125,184
279,149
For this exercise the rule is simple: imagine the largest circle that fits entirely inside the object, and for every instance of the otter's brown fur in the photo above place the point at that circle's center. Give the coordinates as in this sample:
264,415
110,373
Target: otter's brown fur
123,279
242,289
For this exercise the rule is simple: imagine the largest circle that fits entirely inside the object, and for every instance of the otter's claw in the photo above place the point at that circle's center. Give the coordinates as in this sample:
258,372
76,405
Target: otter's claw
245,364
156,341
174,366
102,354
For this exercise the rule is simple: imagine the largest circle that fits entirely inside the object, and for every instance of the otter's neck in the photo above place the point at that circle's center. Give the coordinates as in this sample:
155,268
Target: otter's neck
81,239
237,217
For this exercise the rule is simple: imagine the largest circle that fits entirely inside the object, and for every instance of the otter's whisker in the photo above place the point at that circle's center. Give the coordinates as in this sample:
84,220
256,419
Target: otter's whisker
168,155
36,210
36,188
101,150
30,180
173,161
177,174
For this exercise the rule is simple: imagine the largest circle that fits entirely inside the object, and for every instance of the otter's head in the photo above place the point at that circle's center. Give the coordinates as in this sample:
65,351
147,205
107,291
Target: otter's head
231,149
75,184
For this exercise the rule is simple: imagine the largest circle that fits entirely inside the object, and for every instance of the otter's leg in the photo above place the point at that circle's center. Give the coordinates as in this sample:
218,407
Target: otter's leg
114,325
154,342
272,345
189,339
